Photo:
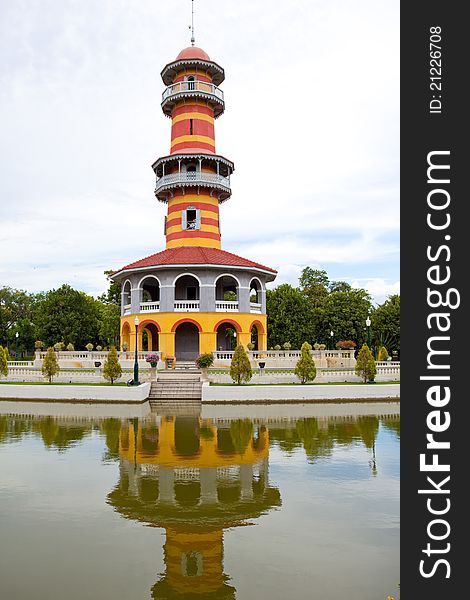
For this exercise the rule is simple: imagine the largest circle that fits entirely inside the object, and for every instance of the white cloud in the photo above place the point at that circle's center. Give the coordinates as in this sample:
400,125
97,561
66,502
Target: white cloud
311,122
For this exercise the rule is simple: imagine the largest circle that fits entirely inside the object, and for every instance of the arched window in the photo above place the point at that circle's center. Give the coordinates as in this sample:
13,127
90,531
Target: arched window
191,85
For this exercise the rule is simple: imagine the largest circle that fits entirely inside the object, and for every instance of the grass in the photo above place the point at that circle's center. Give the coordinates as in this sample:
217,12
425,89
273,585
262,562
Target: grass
311,383
55,383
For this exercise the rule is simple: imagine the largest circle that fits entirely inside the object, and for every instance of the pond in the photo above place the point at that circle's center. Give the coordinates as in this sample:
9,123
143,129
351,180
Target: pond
275,502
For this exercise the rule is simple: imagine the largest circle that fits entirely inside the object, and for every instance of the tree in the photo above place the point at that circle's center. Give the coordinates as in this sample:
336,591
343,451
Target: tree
3,362
346,312
68,314
17,316
113,294
290,316
385,326
110,324
50,364
314,283
305,368
112,370
365,364
240,368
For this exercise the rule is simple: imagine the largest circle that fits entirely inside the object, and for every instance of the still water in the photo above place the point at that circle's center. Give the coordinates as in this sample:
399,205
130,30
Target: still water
254,504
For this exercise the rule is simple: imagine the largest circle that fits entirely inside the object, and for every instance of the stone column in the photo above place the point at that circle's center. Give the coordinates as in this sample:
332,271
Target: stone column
263,301
207,297
167,298
166,482
246,481
136,295
244,299
208,480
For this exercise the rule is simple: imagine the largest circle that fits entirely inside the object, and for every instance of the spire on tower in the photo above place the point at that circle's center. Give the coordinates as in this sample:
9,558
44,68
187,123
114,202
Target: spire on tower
193,39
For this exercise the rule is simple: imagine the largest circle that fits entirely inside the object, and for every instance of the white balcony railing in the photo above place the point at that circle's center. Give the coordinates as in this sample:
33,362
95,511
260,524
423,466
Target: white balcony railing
150,306
192,178
226,306
186,306
127,309
193,87
255,307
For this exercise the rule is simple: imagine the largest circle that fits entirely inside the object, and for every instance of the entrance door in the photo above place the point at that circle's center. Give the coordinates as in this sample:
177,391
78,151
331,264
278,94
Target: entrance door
186,342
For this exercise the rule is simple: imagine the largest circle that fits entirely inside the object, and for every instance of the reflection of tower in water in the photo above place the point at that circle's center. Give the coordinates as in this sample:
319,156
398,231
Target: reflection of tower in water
194,478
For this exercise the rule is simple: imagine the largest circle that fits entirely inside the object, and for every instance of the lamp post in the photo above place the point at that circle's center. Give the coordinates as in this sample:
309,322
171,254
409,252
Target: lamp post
368,329
331,339
136,361
16,345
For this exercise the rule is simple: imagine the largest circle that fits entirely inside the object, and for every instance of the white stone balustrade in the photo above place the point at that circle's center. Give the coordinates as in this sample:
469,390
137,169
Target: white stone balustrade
226,306
149,306
186,306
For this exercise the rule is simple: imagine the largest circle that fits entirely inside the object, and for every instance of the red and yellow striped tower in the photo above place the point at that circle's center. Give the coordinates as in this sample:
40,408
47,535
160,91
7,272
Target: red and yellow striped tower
193,297
193,179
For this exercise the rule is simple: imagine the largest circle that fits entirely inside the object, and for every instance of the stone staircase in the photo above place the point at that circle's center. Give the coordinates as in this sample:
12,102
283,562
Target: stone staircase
176,387
185,367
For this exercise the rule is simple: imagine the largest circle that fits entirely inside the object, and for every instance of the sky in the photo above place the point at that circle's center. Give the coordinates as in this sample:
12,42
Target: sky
311,122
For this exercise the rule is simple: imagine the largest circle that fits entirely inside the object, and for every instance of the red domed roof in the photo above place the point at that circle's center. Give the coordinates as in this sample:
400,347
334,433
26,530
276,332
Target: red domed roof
192,52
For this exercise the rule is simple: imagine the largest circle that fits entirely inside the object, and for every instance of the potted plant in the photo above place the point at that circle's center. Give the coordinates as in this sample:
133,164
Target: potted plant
277,347
89,347
345,345
70,347
99,348
316,346
203,362
153,358
250,346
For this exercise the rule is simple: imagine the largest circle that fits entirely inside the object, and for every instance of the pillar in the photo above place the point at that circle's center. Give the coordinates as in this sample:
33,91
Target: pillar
243,338
246,481
208,481
207,341
166,481
167,344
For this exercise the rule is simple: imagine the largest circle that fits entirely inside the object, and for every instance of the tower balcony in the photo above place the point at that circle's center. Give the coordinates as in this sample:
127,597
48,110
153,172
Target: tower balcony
192,178
193,89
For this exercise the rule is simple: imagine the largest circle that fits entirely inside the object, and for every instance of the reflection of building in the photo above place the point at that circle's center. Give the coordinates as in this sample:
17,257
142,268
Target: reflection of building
193,296
194,478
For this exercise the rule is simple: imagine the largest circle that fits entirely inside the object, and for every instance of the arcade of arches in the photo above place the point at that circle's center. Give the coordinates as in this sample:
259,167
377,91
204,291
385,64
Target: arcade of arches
185,336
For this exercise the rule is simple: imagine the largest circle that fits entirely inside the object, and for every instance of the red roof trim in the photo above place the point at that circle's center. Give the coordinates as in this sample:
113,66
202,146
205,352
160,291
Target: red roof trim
195,255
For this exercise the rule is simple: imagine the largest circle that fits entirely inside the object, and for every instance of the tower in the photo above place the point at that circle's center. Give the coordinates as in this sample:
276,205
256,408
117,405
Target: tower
195,478
193,297
193,179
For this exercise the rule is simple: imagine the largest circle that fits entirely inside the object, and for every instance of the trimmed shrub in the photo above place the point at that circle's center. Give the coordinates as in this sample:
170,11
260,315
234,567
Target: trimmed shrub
365,364
383,353
305,368
3,362
240,368
112,370
50,364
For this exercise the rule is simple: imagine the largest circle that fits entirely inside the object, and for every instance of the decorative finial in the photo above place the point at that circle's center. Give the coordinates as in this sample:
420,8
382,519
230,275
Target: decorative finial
192,23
